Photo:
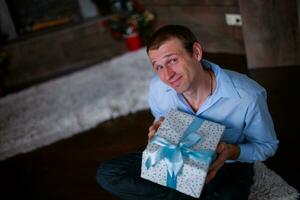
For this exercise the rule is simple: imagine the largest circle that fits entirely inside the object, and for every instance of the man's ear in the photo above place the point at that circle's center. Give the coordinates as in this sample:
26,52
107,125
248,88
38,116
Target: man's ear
197,51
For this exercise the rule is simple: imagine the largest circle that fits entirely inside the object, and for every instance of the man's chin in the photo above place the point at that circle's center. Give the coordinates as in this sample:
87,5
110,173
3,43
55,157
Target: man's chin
178,89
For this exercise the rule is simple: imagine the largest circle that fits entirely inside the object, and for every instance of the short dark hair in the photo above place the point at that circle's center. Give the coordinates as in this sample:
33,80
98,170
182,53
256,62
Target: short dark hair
184,34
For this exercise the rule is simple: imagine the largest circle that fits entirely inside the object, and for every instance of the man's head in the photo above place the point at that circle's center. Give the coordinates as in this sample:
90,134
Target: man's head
168,32
175,56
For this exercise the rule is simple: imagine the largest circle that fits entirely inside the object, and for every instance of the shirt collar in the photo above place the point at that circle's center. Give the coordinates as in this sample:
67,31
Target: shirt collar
225,86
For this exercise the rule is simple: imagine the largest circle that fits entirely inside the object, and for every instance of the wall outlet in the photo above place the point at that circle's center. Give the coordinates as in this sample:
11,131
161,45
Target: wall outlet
233,19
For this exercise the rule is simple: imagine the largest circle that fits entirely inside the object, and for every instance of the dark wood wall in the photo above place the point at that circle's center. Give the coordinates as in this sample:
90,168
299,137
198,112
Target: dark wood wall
45,56
269,35
206,18
271,32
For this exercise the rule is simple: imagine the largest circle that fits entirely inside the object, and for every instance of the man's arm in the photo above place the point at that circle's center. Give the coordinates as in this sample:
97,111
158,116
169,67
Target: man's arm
260,139
154,107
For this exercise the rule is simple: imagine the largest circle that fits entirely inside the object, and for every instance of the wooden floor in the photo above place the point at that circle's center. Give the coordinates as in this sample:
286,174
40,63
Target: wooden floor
66,169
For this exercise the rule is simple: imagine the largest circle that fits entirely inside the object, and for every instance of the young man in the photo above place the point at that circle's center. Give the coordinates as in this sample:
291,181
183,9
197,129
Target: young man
187,82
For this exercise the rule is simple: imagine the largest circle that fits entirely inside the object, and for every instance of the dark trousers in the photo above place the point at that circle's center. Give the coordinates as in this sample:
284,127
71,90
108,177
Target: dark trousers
121,177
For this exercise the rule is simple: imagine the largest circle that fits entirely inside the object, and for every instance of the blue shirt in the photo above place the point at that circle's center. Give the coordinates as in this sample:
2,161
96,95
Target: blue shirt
238,102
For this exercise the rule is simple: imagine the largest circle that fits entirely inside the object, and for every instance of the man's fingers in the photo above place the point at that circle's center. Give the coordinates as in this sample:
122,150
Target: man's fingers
221,147
153,128
158,122
214,168
161,119
151,132
218,163
210,175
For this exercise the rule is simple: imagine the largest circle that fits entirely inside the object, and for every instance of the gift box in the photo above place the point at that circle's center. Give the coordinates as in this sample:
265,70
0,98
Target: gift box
180,153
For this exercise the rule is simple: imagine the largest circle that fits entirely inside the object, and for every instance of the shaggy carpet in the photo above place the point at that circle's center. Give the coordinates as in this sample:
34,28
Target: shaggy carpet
74,103
270,186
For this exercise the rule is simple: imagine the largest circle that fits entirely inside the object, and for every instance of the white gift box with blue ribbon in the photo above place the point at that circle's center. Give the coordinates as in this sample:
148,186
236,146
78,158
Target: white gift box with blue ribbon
180,153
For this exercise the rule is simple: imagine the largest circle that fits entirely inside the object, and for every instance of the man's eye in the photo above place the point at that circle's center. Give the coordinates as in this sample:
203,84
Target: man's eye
174,60
158,67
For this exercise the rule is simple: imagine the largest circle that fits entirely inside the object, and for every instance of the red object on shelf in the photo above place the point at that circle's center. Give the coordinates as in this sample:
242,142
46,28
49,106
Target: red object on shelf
133,41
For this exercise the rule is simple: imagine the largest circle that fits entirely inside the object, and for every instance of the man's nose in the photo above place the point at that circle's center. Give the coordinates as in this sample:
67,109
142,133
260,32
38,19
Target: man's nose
168,73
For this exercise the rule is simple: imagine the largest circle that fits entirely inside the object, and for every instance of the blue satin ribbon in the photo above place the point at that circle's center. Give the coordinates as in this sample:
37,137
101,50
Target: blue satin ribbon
173,154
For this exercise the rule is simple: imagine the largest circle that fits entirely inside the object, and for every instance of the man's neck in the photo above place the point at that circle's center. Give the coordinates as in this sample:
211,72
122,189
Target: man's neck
200,90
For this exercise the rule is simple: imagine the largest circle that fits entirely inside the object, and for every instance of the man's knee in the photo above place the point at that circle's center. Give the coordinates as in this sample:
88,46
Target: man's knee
103,175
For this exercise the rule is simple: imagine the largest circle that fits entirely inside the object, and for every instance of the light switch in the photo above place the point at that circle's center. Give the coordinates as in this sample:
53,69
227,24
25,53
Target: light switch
233,19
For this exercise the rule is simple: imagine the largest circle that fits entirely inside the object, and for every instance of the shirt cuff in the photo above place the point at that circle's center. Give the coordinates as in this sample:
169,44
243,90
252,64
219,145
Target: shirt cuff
246,153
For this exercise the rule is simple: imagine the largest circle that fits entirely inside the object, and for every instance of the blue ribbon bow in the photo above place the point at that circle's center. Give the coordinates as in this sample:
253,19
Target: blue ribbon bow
173,154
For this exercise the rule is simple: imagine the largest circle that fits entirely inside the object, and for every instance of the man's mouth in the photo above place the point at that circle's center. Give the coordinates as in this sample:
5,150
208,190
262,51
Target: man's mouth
175,82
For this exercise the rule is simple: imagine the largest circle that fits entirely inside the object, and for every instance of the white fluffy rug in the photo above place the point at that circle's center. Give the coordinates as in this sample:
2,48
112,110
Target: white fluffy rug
270,186
72,104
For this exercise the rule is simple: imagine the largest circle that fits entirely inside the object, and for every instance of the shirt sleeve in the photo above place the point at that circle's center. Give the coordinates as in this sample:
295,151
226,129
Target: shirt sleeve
152,100
260,137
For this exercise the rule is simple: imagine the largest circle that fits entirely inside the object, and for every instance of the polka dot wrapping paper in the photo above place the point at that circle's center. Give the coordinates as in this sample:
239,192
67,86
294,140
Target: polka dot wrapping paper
191,176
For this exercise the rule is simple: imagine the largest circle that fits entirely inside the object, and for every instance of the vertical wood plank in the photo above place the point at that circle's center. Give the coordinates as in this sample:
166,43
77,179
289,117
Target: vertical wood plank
271,33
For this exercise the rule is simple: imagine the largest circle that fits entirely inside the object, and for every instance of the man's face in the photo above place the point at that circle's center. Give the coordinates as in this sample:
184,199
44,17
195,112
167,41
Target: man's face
174,65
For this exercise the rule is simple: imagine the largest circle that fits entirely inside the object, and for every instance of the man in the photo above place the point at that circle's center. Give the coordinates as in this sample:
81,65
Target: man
186,82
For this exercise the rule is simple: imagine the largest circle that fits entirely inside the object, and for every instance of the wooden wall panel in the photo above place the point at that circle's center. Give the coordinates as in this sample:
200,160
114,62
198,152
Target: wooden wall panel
56,53
271,32
191,2
206,20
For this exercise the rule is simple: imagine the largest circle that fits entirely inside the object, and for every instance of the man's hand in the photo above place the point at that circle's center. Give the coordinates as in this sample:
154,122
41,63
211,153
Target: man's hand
153,128
224,152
